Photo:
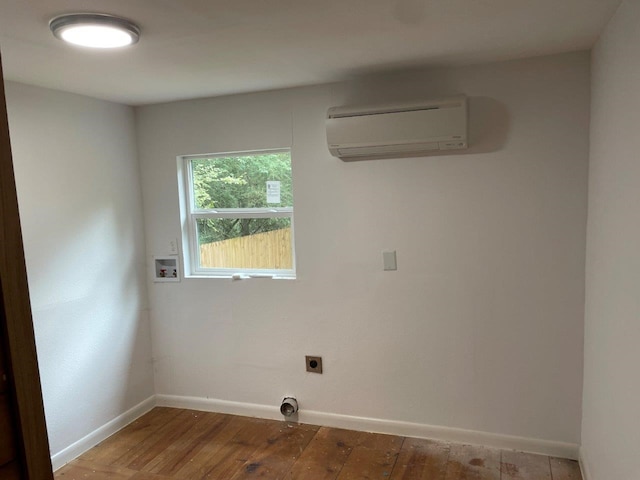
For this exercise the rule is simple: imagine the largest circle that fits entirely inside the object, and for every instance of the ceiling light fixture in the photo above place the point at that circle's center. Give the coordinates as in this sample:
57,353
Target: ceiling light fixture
95,30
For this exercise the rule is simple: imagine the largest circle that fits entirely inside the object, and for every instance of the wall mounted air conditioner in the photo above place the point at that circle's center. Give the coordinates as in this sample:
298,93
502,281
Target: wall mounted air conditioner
402,129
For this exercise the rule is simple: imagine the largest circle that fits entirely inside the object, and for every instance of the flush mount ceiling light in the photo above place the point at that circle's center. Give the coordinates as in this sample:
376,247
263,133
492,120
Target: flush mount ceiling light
95,30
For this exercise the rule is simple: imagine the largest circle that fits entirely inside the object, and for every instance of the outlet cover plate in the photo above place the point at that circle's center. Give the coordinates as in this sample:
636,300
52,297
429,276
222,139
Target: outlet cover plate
389,260
314,364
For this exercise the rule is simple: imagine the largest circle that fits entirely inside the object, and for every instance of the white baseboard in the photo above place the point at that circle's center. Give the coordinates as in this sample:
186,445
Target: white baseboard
584,465
392,427
78,448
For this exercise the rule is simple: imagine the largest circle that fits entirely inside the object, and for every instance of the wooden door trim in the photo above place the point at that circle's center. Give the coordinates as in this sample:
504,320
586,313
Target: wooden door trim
24,377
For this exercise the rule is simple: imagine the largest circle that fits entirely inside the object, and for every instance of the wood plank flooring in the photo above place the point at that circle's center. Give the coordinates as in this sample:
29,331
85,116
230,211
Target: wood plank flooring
169,443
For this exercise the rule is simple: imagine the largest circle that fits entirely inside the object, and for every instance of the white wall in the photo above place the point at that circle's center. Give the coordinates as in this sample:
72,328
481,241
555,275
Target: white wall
79,194
611,423
481,327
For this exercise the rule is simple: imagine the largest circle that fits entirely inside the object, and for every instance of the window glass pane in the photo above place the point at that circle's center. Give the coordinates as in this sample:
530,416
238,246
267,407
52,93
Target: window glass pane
256,180
242,243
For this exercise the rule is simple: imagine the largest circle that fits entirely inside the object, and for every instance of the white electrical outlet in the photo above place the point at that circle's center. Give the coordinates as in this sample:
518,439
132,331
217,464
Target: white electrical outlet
173,246
389,260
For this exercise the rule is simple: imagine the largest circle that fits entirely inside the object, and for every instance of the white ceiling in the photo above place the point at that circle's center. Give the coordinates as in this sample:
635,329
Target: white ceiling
200,48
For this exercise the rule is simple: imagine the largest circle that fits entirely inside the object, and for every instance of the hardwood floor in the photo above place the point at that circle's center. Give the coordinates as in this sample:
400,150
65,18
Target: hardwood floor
169,443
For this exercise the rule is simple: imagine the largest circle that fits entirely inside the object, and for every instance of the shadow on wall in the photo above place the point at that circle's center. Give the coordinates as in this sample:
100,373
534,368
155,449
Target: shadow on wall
488,127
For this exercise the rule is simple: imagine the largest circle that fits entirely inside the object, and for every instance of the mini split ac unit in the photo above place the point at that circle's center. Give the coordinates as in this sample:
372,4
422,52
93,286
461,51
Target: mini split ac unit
403,129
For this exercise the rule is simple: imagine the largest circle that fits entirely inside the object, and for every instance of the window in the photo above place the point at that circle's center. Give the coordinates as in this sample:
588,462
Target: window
237,212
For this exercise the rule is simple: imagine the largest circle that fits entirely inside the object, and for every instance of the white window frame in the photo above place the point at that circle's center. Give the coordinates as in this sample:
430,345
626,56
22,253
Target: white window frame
189,216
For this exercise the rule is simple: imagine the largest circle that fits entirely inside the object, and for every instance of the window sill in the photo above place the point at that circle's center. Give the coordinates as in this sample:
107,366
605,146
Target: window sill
240,276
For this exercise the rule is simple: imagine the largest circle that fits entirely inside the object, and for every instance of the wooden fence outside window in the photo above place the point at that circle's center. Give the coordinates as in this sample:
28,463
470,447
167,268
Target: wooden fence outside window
269,250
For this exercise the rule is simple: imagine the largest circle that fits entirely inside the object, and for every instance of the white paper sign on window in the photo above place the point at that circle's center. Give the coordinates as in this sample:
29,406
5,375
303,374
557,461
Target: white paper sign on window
273,192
